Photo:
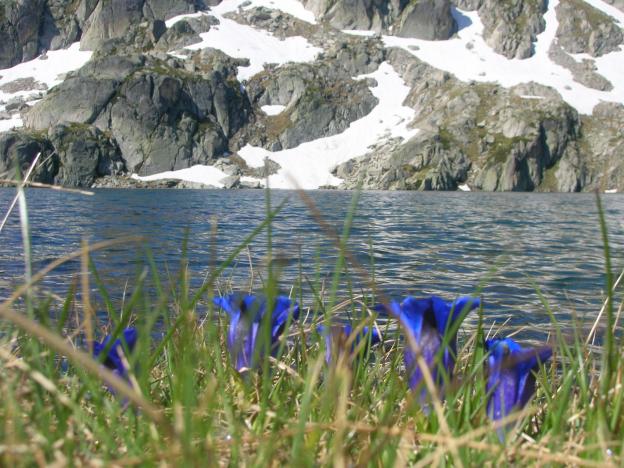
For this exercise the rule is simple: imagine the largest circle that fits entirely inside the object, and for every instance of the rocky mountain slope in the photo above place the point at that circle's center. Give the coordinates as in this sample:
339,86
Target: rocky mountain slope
514,95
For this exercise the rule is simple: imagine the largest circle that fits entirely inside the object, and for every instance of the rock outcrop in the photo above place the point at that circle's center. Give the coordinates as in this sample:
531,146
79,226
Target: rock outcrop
71,155
484,135
112,19
584,29
85,154
320,100
18,149
161,115
31,27
511,26
600,160
423,19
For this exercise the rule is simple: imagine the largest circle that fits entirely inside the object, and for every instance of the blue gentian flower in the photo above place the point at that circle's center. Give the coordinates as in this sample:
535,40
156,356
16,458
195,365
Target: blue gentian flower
511,376
113,359
338,335
246,313
428,321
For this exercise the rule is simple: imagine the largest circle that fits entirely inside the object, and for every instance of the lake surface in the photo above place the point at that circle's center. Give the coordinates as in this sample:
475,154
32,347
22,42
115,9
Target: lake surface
422,243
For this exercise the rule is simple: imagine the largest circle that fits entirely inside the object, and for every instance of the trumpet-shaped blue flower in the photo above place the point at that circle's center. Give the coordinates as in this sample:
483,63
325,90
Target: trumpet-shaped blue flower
511,376
113,359
427,322
246,313
337,337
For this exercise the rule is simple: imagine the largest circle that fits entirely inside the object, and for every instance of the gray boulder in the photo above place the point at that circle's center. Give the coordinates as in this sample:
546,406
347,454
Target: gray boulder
427,19
85,153
600,162
185,32
18,149
426,162
320,99
82,97
511,26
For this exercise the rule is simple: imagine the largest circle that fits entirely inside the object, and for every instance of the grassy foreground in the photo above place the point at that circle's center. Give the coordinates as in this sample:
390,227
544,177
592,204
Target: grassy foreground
186,404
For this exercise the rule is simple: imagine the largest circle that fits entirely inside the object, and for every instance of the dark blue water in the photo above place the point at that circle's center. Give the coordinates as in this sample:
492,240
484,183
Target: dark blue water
422,243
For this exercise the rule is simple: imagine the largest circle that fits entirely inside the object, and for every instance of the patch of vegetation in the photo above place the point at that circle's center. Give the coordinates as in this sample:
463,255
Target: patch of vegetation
499,151
277,124
446,138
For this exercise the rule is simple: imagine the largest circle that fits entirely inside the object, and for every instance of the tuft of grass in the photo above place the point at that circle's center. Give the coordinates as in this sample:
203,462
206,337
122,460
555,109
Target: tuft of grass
184,403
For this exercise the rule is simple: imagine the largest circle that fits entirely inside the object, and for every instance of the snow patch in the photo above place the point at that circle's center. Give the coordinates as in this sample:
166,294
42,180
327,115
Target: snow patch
207,175
479,62
242,41
51,70
171,21
10,124
359,32
273,110
310,164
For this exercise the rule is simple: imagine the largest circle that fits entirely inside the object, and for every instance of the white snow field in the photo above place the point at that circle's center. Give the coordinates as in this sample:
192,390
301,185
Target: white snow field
481,63
260,47
49,71
309,165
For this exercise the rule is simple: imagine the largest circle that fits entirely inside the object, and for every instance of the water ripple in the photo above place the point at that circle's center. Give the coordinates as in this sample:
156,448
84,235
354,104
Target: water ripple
423,243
